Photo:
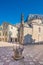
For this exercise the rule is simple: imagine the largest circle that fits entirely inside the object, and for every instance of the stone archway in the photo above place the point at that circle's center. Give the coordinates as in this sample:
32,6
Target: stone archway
28,39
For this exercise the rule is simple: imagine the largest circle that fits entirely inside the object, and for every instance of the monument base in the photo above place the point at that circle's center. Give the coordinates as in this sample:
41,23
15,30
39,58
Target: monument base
18,52
18,58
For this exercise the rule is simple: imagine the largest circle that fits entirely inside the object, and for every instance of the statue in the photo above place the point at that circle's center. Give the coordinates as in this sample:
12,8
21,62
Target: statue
18,52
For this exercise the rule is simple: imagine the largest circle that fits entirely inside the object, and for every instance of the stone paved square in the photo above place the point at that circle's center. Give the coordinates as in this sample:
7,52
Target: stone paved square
1,63
33,55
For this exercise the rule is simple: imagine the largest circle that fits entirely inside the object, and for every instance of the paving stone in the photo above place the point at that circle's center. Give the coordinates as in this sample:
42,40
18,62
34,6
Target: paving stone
32,63
32,54
34,60
2,56
0,60
14,63
1,63
11,63
41,59
5,58
27,59
24,62
41,62
8,60
6,63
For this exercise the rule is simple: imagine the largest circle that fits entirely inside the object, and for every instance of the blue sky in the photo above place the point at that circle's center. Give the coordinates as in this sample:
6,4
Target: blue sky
10,10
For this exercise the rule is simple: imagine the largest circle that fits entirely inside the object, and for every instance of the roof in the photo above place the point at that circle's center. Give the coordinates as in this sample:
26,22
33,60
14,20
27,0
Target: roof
9,24
35,16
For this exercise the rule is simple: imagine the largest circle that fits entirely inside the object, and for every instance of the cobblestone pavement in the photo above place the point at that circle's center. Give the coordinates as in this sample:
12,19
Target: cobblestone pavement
33,55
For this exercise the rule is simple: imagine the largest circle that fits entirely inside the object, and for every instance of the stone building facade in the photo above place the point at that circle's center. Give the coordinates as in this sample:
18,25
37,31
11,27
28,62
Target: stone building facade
5,31
8,32
12,33
34,29
37,34
30,31
27,33
1,33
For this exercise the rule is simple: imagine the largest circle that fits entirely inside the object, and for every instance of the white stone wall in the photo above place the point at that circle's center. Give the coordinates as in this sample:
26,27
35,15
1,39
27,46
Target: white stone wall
1,33
31,34
13,30
38,21
27,34
27,30
37,35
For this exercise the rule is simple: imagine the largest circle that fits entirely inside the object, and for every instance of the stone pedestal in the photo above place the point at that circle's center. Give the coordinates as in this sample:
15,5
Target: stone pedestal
18,52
